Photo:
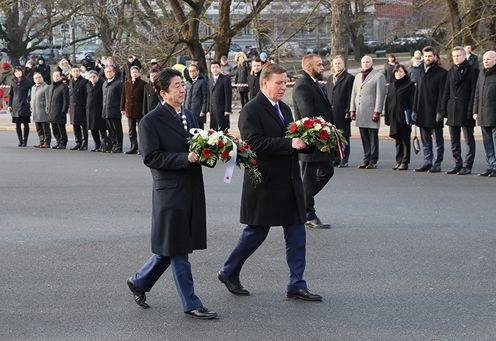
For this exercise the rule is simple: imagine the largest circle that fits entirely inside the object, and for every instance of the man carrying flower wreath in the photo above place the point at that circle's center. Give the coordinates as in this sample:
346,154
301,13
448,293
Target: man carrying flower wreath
278,199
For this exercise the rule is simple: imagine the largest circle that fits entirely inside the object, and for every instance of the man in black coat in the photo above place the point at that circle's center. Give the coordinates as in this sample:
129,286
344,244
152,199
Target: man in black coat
178,211
278,200
472,58
254,78
77,108
43,68
197,95
456,106
94,104
310,100
150,96
427,110
57,108
485,109
339,86
112,92
220,98
126,70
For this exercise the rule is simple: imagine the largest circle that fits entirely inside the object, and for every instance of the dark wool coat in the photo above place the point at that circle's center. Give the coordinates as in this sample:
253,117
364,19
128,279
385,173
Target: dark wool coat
220,101
132,98
253,85
94,106
19,96
44,69
112,93
485,98
178,199
399,98
429,95
241,77
339,95
458,96
150,98
58,102
77,101
310,100
197,98
278,200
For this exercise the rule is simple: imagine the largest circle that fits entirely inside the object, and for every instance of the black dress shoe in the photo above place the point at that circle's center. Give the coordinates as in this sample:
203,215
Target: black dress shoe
403,166
131,152
316,224
116,151
343,165
486,172
234,287
55,147
424,168
363,165
304,294
455,170
493,174
435,169
83,148
464,171
396,166
76,147
371,166
202,313
139,296
20,144
61,146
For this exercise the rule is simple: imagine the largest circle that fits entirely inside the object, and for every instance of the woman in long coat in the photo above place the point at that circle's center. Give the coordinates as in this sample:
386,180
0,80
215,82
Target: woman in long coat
94,105
398,110
19,95
241,77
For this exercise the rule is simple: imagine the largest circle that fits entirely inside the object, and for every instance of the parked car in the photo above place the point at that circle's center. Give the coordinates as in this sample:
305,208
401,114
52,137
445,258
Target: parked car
82,54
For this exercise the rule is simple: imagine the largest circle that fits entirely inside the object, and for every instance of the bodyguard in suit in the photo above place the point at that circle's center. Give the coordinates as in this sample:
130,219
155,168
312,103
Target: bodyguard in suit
94,105
427,109
456,106
197,95
57,107
339,86
278,200
220,98
367,101
39,94
150,96
310,100
77,108
472,58
178,211
112,92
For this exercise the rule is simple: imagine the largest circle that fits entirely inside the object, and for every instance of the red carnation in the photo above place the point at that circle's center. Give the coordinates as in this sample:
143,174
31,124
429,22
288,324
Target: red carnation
317,121
323,134
221,143
206,153
225,154
292,127
210,132
247,146
241,149
308,124
254,162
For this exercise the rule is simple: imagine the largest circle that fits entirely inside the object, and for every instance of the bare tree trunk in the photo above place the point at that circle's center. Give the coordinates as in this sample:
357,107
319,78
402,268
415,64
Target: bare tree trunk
339,29
455,20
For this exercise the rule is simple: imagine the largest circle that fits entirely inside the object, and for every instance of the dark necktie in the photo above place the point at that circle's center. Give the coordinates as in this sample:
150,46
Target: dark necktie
278,111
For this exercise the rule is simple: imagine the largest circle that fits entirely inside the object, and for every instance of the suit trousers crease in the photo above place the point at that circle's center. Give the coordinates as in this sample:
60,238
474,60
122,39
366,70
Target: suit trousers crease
80,134
253,236
133,124
427,145
315,175
146,277
489,141
456,149
114,127
98,136
60,133
370,143
44,132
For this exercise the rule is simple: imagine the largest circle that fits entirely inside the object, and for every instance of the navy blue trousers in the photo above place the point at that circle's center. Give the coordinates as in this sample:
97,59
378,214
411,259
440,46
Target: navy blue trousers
253,236
146,277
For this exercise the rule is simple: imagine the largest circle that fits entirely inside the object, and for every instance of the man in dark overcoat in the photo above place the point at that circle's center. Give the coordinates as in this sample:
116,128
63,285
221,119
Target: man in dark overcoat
485,109
339,86
310,100
197,95
278,200
254,78
77,108
427,109
220,98
94,104
150,96
178,211
456,106
112,92
57,108
132,106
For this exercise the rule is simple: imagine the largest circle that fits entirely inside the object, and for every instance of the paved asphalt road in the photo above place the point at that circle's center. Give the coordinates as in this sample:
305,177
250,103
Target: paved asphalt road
411,256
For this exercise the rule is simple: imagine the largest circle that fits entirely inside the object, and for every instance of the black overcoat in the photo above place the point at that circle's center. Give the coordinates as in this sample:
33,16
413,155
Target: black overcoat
429,95
241,77
253,85
150,98
19,96
278,200
58,102
458,96
339,95
485,98
112,93
77,101
197,98
220,101
399,98
94,105
178,199
310,100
